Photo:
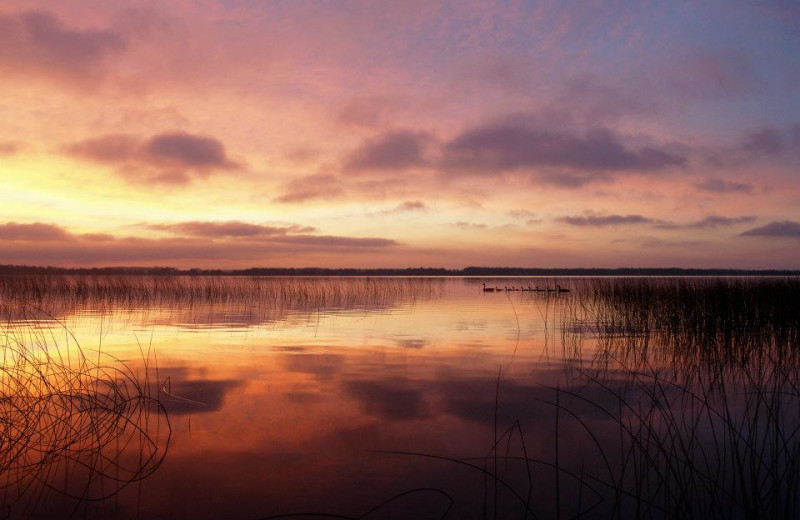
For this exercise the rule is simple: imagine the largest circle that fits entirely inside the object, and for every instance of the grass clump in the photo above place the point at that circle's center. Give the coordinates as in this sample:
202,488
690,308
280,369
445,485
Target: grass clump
74,422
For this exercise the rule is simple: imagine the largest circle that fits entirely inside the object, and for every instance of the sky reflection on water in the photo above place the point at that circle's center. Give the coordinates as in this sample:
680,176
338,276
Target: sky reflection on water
277,411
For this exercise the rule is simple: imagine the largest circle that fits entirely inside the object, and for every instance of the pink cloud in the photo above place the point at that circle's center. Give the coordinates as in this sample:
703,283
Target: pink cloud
33,232
229,229
392,151
166,158
37,42
10,147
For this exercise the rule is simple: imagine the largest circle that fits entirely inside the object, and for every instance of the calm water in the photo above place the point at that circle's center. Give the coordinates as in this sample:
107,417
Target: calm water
423,398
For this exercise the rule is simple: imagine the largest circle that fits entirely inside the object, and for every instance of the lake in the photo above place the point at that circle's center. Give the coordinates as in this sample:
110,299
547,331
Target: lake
246,398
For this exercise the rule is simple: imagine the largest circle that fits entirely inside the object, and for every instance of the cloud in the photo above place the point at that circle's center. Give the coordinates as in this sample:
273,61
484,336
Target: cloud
187,252
723,186
335,241
524,144
705,75
166,158
605,220
34,232
469,225
231,228
389,400
405,207
411,343
36,42
364,112
296,235
393,151
321,366
112,149
713,221
45,243
411,205
782,229
97,237
522,213
330,187
771,141
10,147
182,150
764,141
197,396
310,187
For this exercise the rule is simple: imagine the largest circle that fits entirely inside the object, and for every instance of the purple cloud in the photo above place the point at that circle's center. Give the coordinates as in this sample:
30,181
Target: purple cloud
723,186
795,132
38,42
364,112
710,75
764,141
605,220
713,221
392,151
182,150
517,145
783,229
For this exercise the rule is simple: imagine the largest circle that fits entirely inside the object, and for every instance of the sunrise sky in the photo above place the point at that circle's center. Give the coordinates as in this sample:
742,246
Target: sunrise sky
213,133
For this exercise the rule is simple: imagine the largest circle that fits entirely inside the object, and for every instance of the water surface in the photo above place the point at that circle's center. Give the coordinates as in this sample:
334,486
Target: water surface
422,398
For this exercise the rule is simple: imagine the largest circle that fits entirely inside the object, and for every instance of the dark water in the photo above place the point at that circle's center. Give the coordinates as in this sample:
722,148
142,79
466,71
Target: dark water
399,398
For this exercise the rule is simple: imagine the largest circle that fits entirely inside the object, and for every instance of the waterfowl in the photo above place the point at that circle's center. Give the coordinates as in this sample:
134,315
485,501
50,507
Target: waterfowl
488,289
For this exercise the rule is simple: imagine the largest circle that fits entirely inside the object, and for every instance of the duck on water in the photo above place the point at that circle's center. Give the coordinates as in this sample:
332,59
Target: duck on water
513,288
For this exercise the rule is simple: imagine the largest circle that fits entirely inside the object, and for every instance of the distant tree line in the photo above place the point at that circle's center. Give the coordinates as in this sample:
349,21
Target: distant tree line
410,271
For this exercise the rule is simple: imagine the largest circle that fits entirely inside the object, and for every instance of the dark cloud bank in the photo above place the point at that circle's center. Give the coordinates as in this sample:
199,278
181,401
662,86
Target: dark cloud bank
41,242
711,221
782,229
522,145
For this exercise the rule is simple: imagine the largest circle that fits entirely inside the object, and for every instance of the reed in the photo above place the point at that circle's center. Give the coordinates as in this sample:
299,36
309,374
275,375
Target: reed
75,421
60,295
699,378
680,399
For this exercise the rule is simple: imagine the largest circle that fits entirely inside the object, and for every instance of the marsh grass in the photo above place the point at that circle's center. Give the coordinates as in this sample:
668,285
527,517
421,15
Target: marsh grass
699,379
75,422
265,298
680,399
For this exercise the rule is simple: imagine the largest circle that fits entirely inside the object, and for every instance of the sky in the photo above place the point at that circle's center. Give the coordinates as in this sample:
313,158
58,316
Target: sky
233,134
